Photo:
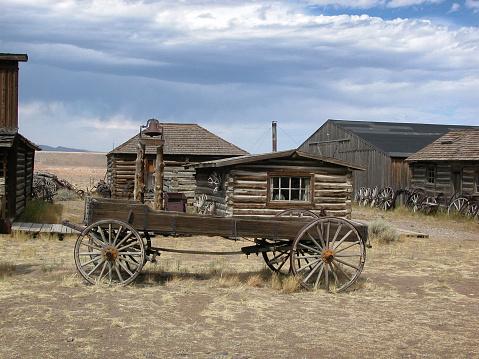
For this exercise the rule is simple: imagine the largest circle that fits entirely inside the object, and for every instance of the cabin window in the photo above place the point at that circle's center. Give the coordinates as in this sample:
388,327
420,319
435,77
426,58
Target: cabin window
476,182
431,174
289,188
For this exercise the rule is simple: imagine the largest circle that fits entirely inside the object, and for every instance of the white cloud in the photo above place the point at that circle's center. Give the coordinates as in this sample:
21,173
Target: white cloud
455,7
472,4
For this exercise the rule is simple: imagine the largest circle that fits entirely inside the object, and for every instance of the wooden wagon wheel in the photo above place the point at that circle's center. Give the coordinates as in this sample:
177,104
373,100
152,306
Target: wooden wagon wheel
278,260
328,252
415,200
458,206
109,251
385,198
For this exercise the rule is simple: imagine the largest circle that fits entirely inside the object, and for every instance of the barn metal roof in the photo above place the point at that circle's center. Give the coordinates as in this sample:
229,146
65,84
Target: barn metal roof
457,145
273,155
185,139
397,139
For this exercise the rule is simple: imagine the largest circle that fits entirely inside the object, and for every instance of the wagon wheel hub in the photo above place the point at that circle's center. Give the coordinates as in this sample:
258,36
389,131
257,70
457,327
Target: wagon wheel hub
110,253
327,255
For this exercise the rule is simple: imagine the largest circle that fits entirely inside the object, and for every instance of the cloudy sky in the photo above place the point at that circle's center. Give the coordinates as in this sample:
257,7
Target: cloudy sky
98,69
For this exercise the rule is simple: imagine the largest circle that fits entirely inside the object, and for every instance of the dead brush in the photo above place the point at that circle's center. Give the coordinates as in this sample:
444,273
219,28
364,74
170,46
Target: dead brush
381,231
285,283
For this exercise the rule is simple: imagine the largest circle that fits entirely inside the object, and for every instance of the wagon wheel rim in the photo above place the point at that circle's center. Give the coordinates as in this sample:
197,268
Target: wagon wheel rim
328,253
109,252
278,260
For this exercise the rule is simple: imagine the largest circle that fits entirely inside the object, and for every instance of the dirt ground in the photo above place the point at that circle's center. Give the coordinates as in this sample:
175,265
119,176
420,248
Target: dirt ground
416,298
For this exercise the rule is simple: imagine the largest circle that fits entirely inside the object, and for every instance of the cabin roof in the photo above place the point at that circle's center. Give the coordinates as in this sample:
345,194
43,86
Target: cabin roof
185,139
8,136
13,57
397,139
246,159
457,145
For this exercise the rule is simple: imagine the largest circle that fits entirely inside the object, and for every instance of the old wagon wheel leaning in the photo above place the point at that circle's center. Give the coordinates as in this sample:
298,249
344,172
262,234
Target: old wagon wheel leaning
109,251
458,206
278,259
328,252
415,200
385,198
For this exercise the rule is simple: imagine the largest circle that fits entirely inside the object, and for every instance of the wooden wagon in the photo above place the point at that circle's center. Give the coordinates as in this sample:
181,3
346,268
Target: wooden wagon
324,252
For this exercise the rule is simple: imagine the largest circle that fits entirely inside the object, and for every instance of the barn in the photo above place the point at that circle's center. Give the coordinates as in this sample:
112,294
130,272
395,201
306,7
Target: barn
184,144
16,152
448,165
266,184
380,146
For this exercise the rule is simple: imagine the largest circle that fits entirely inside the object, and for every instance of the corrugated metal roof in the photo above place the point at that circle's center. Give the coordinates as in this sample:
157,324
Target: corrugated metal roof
397,139
457,145
273,155
185,139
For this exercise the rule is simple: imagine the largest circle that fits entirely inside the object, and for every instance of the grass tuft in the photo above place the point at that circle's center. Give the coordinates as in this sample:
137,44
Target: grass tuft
64,194
38,211
285,283
7,269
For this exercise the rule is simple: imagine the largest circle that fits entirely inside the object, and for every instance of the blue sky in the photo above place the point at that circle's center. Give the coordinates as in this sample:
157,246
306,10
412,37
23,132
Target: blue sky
98,69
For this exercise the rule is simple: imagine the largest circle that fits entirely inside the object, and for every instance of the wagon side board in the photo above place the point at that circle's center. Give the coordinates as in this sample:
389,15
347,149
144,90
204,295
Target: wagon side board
144,218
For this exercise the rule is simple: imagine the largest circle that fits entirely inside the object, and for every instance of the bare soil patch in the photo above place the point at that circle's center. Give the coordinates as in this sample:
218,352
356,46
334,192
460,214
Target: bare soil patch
416,298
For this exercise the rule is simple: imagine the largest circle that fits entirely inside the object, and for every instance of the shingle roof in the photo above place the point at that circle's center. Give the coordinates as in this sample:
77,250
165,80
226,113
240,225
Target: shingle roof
274,155
457,145
397,139
185,139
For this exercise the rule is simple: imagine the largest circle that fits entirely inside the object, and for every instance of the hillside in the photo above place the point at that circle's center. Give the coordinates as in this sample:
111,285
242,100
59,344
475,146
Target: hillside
83,169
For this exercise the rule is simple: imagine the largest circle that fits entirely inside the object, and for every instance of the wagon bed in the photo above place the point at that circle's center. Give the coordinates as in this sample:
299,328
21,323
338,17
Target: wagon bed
324,252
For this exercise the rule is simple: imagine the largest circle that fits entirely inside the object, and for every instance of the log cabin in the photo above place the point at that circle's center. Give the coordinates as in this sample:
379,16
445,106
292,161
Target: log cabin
267,184
184,144
449,165
16,152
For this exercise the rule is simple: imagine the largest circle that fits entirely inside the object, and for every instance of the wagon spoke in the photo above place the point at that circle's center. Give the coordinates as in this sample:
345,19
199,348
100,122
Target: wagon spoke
342,239
318,265
342,271
125,268
118,233
102,271
95,267
309,248
117,268
314,241
336,234
308,265
92,260
318,278
348,246
348,264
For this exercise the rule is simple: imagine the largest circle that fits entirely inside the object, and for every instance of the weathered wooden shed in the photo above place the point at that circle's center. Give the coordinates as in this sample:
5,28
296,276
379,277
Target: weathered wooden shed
380,146
184,144
266,184
16,152
448,165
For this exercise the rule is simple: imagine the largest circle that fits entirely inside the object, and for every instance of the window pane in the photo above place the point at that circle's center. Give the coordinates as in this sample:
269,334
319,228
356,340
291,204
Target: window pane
283,188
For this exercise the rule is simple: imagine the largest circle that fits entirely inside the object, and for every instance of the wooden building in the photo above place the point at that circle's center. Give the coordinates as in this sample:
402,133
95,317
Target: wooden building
380,146
184,144
266,184
16,152
448,165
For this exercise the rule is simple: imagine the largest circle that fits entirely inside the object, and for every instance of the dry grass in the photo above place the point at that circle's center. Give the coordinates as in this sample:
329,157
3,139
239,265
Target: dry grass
417,297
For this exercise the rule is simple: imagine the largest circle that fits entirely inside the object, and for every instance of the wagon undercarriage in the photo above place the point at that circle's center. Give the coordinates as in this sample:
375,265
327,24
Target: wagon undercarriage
323,252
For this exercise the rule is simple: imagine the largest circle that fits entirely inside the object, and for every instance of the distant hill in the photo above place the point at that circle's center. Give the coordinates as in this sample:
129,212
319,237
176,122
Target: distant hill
60,149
